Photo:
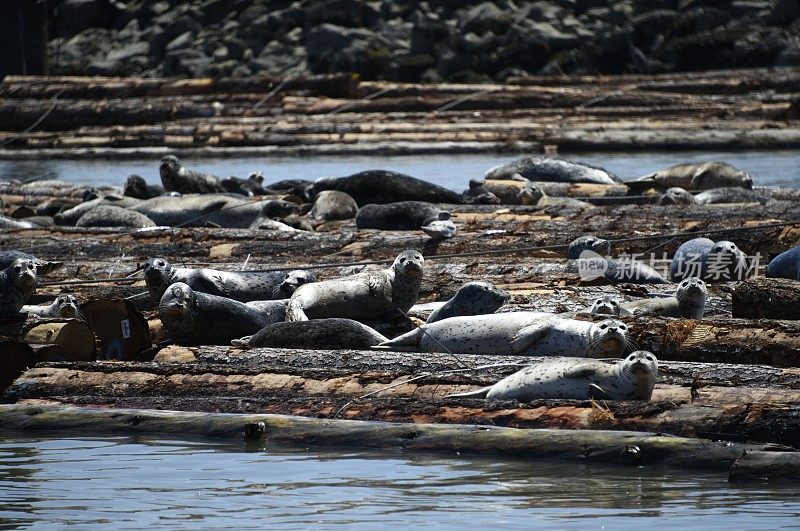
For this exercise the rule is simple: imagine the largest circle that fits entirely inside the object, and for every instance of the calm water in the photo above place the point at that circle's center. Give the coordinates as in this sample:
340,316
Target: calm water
138,483
778,168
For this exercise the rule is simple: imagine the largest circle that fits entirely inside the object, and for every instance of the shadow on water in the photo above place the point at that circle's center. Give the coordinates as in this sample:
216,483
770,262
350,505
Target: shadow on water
140,482
775,168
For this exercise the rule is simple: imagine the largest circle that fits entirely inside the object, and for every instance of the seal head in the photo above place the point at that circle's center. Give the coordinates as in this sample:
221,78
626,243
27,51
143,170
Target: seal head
608,337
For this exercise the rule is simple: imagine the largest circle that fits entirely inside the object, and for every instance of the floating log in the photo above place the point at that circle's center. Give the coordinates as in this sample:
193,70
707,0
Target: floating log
767,298
627,448
121,330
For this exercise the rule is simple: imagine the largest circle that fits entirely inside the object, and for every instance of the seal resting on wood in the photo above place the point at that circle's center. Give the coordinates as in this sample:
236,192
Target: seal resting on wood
332,205
176,178
43,267
402,215
136,186
473,298
632,378
370,295
17,282
516,333
710,261
785,265
195,318
552,169
381,186
331,333
715,196
65,307
113,216
695,176
689,302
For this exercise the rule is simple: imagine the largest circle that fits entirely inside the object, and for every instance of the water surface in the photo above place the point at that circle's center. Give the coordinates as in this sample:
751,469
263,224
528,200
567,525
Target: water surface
139,483
775,168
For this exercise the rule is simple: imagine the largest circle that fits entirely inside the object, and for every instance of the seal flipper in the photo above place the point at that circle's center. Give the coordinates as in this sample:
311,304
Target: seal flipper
580,371
596,392
243,342
409,340
211,284
480,393
529,335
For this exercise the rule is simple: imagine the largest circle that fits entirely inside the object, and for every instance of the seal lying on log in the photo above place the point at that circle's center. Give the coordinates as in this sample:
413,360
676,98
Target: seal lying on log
370,295
551,169
243,287
381,186
195,318
533,195
71,216
332,205
586,256
274,311
137,187
689,302
65,307
402,215
516,333
710,261
13,223
43,267
17,282
785,265
113,216
694,176
632,378
331,333
176,178
715,196
253,185
200,210
473,298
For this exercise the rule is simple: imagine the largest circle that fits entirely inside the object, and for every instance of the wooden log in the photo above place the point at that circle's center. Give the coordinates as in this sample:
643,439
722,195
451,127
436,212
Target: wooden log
767,298
74,337
16,356
763,467
121,330
636,449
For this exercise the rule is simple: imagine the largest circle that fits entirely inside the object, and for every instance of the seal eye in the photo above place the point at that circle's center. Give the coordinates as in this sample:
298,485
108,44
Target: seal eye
598,301
650,358
614,303
603,326
17,269
623,327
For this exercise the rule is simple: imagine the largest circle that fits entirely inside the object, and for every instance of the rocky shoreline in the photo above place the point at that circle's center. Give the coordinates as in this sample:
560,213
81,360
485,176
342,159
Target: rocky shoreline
433,41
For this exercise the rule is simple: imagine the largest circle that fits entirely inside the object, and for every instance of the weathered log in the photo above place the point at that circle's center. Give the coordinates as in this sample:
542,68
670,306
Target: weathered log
766,467
767,298
75,337
121,330
629,448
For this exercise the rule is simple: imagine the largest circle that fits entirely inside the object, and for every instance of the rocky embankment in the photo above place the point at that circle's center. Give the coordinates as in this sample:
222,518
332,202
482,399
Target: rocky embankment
437,40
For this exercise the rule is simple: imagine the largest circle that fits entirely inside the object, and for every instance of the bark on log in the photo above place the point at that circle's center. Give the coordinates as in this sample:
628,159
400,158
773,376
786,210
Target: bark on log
634,449
767,298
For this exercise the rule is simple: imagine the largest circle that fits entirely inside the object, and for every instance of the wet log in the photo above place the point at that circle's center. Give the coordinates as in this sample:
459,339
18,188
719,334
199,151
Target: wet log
766,467
767,298
635,449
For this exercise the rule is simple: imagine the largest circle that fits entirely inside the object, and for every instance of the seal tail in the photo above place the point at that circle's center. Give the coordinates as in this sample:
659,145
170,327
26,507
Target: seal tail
480,393
243,342
294,311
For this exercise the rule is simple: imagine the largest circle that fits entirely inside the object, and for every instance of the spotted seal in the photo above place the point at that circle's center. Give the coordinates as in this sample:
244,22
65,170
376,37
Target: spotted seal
689,302
7,223
252,186
552,169
402,215
588,243
71,216
136,186
381,186
176,178
195,318
785,265
632,378
17,282
709,260
370,295
43,267
606,305
243,287
440,229
473,298
332,205
114,216
200,210
274,311
695,176
715,196
65,307
293,280
587,256
533,195
516,333
331,333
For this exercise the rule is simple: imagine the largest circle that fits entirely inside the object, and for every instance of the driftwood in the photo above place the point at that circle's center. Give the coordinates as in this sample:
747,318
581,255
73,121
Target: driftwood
767,298
627,448
731,402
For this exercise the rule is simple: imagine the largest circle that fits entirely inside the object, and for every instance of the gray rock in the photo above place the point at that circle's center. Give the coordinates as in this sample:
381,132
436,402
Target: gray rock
484,17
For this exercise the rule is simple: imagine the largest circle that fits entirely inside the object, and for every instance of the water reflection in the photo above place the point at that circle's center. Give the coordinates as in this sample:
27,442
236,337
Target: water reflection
140,482
778,168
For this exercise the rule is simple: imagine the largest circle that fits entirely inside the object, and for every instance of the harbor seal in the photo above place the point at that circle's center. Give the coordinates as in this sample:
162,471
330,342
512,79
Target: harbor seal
715,196
331,205
371,295
293,280
71,216
473,298
200,210
7,223
113,216
785,265
440,229
632,378
587,256
176,178
252,186
588,243
552,169
695,176
710,261
65,307
516,333
507,192
43,267
195,318
381,186
273,311
533,195
240,286
136,186
689,302
606,305
331,333
402,215
17,282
